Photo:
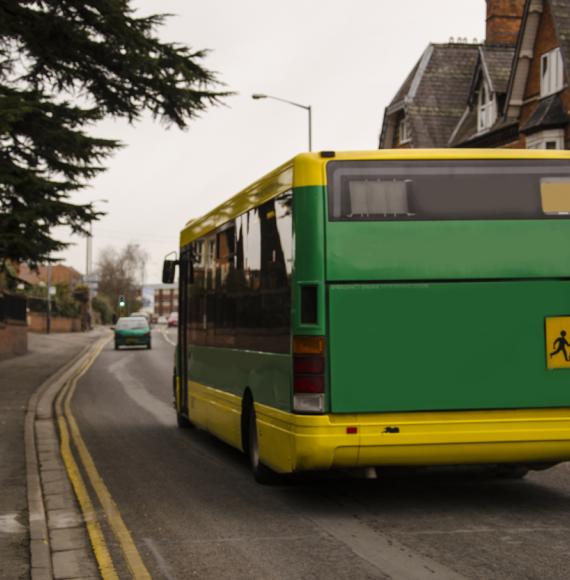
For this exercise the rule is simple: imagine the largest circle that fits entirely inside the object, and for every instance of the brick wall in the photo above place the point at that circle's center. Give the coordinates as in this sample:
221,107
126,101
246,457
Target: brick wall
503,21
13,339
165,301
545,41
37,322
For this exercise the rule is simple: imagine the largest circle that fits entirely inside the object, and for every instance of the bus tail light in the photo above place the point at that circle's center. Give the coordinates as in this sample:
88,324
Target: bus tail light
309,374
309,365
309,384
309,345
309,403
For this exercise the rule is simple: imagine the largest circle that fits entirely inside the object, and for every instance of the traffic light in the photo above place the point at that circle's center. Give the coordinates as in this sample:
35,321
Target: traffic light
122,302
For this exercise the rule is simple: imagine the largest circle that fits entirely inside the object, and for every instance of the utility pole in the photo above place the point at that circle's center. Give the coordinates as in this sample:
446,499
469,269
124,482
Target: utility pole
48,313
88,263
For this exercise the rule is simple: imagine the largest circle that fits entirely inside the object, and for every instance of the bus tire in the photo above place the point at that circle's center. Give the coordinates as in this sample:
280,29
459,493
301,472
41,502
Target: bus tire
261,473
183,422
511,471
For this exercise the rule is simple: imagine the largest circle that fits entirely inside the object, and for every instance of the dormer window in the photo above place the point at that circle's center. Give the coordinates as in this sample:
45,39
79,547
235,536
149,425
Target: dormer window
486,108
404,135
551,73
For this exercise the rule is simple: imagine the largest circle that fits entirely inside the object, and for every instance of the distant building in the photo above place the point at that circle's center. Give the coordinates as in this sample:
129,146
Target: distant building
60,274
165,299
510,91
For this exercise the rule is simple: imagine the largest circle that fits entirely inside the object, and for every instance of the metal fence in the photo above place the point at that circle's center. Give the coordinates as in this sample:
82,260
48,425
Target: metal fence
13,308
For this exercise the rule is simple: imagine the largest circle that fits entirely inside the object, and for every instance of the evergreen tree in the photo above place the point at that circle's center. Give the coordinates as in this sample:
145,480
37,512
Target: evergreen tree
64,65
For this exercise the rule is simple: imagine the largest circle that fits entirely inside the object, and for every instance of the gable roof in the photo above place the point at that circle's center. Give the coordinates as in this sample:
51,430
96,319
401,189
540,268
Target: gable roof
534,9
549,114
498,63
494,64
434,93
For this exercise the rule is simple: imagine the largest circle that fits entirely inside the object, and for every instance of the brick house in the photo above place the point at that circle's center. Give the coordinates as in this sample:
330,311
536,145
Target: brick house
517,94
60,274
165,299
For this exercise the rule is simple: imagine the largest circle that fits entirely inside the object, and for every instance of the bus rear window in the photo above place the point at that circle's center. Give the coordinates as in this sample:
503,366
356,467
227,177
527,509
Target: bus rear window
448,190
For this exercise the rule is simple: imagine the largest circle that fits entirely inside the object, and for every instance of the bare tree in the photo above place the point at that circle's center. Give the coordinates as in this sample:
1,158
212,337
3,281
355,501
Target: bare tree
121,273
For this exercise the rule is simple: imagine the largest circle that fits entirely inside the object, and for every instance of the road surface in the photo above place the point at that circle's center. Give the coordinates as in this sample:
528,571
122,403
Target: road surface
194,511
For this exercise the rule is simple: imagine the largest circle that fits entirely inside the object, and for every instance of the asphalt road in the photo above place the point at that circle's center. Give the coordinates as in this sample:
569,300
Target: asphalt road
194,510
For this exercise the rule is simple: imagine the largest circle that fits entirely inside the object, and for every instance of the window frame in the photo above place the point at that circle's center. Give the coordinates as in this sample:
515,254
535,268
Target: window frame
486,107
404,135
551,73
541,139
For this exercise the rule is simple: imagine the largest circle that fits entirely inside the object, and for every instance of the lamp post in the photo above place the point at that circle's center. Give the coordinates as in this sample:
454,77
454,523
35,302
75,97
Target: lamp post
88,277
307,108
89,266
48,313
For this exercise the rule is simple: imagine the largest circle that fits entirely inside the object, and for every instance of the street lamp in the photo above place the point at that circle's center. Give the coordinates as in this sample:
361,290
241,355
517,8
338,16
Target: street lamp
89,264
307,108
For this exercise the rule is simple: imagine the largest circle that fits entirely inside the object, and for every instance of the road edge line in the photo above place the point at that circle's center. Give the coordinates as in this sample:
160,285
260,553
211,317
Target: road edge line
96,536
41,567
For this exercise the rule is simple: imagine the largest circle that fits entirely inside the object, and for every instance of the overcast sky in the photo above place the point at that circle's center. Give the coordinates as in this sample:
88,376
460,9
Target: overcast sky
346,59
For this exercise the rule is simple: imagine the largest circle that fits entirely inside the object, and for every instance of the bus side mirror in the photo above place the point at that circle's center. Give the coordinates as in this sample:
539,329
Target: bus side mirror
168,271
191,272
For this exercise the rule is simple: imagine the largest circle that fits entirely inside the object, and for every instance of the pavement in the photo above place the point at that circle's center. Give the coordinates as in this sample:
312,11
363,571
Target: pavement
20,378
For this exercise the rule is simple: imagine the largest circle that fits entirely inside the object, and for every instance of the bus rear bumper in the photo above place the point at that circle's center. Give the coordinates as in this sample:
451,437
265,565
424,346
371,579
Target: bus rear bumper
290,442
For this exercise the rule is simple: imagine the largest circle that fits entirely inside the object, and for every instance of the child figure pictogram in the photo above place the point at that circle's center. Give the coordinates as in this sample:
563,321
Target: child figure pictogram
560,345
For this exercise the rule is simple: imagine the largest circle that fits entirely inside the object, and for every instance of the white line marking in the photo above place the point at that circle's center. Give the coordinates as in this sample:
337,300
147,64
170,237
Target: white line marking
387,554
535,530
9,524
136,391
164,332
162,564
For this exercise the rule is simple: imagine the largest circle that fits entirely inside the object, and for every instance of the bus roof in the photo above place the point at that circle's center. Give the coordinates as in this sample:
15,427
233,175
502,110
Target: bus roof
308,169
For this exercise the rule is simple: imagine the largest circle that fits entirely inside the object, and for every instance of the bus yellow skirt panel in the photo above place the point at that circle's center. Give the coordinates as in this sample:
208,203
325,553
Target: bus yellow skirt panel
289,442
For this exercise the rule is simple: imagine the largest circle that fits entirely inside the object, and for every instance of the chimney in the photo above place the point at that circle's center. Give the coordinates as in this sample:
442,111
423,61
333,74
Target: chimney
504,19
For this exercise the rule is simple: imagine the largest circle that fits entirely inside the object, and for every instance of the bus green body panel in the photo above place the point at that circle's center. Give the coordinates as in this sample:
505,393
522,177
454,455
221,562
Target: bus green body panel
267,375
444,346
443,250
309,229
433,327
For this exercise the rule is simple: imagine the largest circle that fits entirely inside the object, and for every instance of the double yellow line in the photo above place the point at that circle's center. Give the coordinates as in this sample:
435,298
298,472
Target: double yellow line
69,433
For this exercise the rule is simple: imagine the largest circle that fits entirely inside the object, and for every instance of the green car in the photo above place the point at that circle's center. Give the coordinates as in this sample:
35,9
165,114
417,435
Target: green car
132,331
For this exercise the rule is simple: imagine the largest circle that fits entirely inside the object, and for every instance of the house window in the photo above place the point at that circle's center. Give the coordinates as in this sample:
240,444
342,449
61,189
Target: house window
211,251
404,135
198,256
486,108
551,139
551,73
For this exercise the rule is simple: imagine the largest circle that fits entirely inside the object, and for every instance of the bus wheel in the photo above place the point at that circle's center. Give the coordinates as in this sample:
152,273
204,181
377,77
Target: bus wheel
261,473
183,422
511,471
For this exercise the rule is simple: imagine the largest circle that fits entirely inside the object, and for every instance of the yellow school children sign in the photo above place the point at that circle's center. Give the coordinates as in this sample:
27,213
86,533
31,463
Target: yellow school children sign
558,342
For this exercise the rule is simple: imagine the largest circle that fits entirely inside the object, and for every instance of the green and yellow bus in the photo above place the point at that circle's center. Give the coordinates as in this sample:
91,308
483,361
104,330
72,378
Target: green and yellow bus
383,308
